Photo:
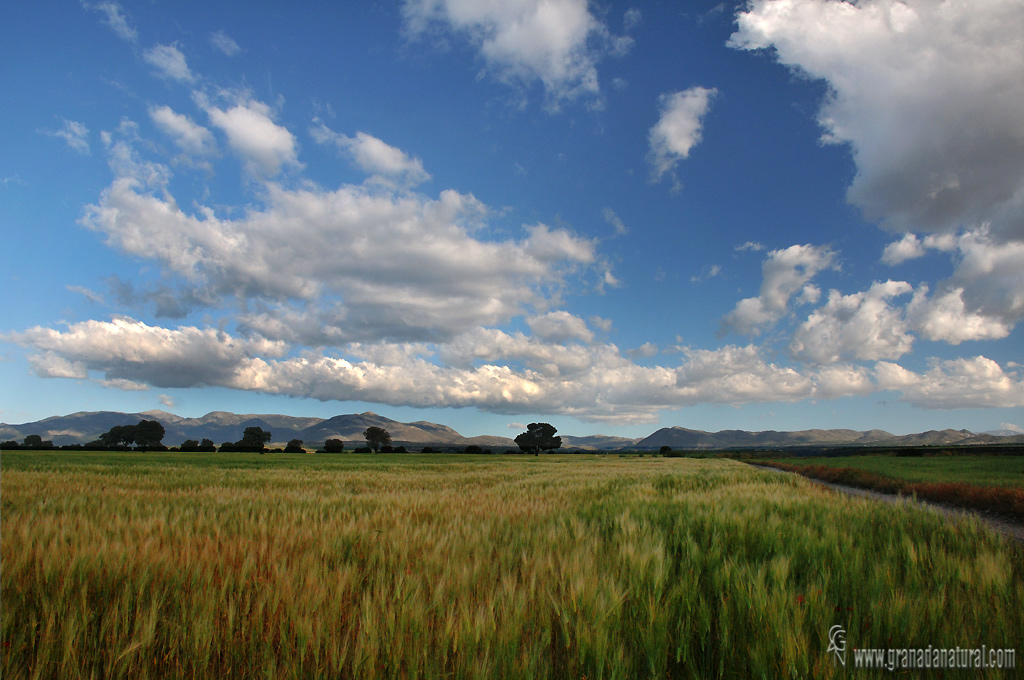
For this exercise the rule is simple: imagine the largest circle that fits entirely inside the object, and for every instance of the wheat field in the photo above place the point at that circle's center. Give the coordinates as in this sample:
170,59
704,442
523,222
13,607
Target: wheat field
239,565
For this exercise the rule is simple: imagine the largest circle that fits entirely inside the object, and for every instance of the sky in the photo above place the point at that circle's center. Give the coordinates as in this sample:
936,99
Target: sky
612,217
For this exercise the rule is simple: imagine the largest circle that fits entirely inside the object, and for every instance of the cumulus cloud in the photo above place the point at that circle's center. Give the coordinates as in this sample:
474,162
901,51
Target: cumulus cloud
983,299
945,317
169,63
678,129
193,140
784,273
976,382
74,134
374,262
738,375
927,94
265,146
223,42
556,42
559,326
373,155
858,326
492,370
131,350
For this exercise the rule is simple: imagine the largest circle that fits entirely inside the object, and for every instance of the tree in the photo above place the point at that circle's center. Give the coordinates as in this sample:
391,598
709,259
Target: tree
377,437
189,446
294,446
538,437
148,434
253,439
334,446
33,441
118,436
207,446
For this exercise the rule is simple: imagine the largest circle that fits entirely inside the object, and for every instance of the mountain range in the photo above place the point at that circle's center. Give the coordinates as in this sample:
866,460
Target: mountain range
222,426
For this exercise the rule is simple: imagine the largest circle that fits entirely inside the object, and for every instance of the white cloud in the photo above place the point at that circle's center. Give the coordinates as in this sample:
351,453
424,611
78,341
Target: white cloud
557,42
784,273
615,221
907,248
53,365
169,63
738,375
678,129
74,134
363,261
131,350
945,317
927,94
592,382
857,326
167,400
976,382
116,20
559,326
749,245
632,18
842,380
983,299
373,155
706,273
193,140
223,42
265,146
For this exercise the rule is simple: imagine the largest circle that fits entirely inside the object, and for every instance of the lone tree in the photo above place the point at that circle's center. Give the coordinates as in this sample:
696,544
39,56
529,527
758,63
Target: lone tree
377,437
294,446
253,439
539,437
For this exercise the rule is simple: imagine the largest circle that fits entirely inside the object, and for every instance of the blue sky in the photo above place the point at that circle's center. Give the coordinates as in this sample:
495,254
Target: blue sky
608,216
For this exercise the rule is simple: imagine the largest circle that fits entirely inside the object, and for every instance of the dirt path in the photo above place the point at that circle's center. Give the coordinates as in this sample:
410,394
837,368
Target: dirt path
1014,530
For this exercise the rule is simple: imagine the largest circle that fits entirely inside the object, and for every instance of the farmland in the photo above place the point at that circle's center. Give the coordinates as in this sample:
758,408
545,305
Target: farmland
967,469
295,566
993,484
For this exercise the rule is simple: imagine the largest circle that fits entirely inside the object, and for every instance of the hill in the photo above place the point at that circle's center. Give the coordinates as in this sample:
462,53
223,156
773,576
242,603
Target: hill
223,426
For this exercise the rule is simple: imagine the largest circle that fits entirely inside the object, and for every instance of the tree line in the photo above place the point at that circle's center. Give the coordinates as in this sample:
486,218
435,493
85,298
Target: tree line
148,435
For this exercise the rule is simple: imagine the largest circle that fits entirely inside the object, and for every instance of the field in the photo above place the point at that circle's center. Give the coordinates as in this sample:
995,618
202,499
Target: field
1007,471
424,566
992,484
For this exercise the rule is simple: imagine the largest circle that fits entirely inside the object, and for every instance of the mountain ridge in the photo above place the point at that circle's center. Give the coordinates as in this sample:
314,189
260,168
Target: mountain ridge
224,426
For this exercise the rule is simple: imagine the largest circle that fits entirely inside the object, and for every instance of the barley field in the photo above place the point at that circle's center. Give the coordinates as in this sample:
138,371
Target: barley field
344,566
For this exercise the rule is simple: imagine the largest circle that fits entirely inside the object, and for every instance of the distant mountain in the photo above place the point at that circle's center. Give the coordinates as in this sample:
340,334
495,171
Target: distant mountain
596,442
222,426
683,438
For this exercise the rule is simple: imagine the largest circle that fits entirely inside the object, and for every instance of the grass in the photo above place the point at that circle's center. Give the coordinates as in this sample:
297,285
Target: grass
1003,471
239,565
987,483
